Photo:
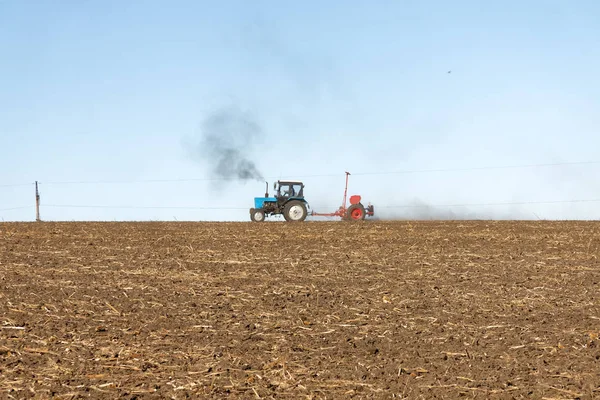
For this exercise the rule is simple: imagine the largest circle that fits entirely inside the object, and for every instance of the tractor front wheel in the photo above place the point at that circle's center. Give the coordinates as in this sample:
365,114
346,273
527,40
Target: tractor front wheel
295,211
356,212
257,215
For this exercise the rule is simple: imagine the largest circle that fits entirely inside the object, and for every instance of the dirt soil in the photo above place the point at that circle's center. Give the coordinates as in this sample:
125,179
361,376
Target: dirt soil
317,310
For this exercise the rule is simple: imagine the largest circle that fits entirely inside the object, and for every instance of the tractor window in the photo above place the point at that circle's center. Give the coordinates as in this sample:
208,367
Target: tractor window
296,190
290,190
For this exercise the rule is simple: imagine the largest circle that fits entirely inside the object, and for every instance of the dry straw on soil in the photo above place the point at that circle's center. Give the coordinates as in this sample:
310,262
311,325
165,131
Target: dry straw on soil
313,310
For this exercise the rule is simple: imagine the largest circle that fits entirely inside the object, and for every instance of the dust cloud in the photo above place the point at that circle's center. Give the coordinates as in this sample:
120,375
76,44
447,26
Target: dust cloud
420,210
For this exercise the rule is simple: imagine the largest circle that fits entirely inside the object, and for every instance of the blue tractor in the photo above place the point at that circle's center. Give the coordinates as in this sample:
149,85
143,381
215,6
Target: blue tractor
288,201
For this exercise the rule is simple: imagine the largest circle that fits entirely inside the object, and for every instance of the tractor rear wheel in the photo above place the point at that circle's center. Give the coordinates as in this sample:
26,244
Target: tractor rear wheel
257,215
356,212
295,211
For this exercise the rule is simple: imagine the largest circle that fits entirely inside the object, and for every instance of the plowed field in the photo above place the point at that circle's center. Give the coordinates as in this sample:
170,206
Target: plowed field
314,310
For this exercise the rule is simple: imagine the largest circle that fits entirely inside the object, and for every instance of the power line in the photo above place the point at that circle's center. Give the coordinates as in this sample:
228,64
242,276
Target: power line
408,171
512,203
324,207
15,208
478,168
398,172
144,207
16,185
102,182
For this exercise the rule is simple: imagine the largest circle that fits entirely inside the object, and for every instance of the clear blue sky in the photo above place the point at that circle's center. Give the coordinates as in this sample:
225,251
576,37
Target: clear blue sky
118,91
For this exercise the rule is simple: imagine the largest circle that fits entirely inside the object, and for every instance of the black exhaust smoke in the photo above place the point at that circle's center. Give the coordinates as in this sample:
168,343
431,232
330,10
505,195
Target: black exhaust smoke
228,138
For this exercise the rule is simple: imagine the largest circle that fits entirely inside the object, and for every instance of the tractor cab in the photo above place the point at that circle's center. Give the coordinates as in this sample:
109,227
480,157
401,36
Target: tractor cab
288,189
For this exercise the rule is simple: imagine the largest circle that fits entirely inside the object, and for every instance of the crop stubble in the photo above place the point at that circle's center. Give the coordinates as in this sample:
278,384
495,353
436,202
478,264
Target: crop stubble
430,309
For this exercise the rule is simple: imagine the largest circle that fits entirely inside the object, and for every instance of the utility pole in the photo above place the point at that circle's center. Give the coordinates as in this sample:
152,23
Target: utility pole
37,202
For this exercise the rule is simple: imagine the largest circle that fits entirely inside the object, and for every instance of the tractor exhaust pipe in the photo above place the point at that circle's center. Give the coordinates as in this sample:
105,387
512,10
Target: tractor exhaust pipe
267,190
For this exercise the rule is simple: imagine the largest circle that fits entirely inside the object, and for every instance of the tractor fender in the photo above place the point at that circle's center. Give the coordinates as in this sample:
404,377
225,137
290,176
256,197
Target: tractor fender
301,199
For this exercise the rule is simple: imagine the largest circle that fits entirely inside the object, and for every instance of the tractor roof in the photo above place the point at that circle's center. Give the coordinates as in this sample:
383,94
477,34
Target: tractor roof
292,182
